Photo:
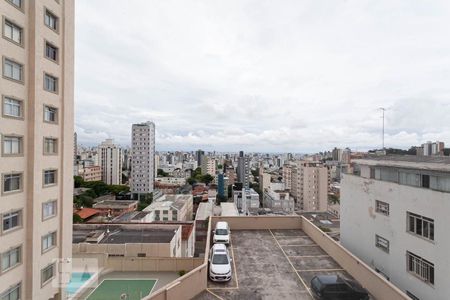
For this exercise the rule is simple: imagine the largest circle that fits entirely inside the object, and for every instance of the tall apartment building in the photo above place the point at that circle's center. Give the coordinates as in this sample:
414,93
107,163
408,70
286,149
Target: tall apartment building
208,166
287,176
243,169
430,148
36,158
394,216
142,158
309,186
111,159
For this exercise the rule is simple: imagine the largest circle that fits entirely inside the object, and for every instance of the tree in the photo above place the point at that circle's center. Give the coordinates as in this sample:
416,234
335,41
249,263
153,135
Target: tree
77,181
207,178
161,173
144,201
77,219
116,189
333,199
191,180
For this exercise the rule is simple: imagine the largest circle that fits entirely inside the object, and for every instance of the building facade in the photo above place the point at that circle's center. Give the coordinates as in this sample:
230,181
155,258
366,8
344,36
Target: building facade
243,169
309,186
394,216
142,159
111,159
36,159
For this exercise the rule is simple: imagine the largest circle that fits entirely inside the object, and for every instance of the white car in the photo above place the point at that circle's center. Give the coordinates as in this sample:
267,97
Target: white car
222,233
219,263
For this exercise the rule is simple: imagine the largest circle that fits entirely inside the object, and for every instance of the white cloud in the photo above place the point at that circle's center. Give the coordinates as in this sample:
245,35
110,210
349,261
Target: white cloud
263,75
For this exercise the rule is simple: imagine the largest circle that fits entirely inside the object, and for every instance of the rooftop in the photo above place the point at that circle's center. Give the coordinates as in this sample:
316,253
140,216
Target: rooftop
438,163
118,204
121,234
294,260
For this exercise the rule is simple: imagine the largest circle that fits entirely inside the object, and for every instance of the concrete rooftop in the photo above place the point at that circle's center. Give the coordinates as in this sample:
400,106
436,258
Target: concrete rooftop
272,264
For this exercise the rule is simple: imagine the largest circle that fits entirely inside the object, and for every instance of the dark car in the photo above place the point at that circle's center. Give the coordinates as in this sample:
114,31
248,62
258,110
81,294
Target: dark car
333,287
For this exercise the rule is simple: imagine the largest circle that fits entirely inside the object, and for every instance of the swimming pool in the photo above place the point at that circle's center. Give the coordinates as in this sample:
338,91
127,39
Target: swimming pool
77,280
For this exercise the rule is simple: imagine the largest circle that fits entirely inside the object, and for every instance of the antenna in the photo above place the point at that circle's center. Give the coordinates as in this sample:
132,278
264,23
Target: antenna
382,136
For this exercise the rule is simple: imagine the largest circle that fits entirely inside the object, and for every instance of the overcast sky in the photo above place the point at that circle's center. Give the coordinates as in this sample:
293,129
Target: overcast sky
279,76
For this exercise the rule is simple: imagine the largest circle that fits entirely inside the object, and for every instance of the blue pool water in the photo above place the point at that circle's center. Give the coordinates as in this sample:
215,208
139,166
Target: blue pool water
76,281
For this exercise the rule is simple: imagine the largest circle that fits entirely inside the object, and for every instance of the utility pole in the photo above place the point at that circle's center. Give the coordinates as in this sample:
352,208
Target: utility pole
382,136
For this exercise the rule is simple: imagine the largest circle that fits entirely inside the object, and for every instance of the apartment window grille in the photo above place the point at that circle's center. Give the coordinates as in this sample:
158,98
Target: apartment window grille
420,225
51,20
13,32
50,83
50,114
420,267
174,215
48,209
382,243
12,145
48,241
12,70
11,258
51,52
13,293
382,207
50,146
49,177
12,182
47,273
12,107
11,220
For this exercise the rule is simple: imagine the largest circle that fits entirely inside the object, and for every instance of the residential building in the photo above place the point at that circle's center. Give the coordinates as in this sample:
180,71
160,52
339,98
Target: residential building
433,148
264,181
243,169
199,154
246,200
36,157
208,166
309,186
115,208
142,159
90,173
394,216
111,158
172,208
278,199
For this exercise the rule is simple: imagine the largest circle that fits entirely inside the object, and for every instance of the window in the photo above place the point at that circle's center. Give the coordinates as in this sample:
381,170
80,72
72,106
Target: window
12,107
47,273
12,145
51,52
16,3
50,146
48,241
10,258
382,207
13,293
420,225
426,181
157,217
382,243
49,177
11,220
12,70
13,32
12,182
51,20
420,267
50,83
48,209
174,215
50,114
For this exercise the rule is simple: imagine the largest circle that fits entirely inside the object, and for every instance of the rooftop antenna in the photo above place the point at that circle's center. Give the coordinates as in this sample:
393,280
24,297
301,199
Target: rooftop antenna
382,137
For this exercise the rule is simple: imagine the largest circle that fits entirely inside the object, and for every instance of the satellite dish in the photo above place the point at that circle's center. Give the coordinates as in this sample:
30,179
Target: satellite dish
124,296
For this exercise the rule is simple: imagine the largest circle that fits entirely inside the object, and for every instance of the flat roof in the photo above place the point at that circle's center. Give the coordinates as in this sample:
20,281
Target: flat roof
204,211
436,163
115,204
125,233
273,264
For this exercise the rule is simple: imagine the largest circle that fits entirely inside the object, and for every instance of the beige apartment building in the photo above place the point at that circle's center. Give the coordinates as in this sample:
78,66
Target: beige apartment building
36,158
308,183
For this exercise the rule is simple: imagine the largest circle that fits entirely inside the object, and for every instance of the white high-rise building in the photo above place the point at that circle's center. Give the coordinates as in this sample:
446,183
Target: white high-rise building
394,216
111,158
142,158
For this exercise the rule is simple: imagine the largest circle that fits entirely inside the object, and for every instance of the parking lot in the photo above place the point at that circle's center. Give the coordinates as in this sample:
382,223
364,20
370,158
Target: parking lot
272,264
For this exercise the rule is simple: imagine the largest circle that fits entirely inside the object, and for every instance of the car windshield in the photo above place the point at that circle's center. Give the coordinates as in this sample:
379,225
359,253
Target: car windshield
221,231
220,259
316,284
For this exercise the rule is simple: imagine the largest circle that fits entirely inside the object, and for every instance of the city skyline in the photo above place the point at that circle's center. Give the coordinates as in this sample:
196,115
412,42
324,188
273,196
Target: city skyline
263,77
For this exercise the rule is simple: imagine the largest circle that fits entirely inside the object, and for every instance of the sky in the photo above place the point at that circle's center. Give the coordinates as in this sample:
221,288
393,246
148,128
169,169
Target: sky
263,76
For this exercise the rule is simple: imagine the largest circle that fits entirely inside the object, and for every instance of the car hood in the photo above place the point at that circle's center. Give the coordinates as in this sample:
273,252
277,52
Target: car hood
220,269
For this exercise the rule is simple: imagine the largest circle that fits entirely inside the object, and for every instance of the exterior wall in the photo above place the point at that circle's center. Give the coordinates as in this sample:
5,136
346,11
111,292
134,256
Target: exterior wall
358,197
110,162
142,158
309,187
32,127
208,166
93,173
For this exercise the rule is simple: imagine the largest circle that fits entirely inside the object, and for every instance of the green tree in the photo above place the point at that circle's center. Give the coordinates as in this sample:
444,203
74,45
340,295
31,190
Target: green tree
207,178
77,219
78,181
116,189
161,173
